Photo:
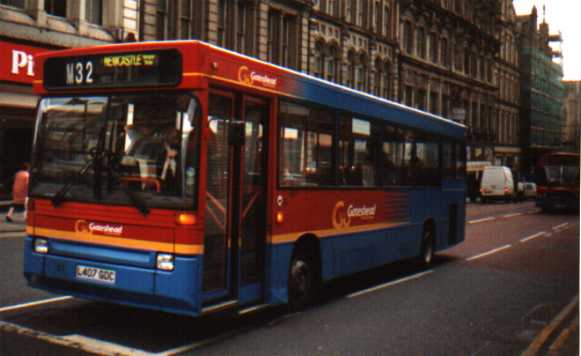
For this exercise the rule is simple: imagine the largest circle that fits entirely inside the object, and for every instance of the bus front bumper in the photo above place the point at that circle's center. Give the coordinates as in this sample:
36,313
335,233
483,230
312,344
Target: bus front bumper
176,291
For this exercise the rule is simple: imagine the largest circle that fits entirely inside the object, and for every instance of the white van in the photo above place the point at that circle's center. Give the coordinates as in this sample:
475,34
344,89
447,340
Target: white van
497,183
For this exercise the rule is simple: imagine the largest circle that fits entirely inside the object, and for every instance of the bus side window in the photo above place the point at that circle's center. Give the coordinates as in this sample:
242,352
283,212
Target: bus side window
356,153
292,152
393,155
320,139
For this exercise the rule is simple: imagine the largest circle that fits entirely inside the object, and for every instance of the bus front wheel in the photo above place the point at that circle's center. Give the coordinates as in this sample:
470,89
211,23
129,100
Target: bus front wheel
303,281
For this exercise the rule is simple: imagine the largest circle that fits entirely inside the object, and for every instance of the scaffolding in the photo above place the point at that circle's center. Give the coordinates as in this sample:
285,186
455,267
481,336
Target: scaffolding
546,94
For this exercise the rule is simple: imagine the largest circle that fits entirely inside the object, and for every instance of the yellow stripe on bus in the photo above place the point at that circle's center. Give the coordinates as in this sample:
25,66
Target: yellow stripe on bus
293,236
117,241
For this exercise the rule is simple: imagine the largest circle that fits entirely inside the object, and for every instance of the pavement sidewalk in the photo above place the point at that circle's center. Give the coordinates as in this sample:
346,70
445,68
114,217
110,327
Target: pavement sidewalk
19,225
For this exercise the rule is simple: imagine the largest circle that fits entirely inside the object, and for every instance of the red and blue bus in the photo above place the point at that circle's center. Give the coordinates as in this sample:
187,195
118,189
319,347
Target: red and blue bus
557,178
182,177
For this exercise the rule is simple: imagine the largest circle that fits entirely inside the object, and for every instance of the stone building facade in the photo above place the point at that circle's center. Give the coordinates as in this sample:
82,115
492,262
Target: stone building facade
572,129
447,65
542,90
28,27
352,42
506,130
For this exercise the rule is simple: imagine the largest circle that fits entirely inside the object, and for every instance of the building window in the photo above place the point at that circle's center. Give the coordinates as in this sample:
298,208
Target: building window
409,95
329,6
351,70
459,59
382,79
433,48
445,105
332,64
14,3
458,7
421,102
56,7
94,11
282,46
434,102
386,21
165,28
421,43
377,13
408,38
241,27
359,12
467,57
224,8
185,19
365,16
444,53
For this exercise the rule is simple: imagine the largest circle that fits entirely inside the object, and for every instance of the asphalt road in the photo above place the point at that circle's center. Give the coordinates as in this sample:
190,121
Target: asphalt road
497,293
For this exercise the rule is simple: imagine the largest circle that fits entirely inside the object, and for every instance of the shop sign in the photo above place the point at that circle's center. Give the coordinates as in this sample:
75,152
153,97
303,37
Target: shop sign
17,62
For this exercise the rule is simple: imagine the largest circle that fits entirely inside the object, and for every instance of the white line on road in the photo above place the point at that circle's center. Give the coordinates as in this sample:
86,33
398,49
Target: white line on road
560,226
512,215
33,304
389,284
481,220
528,238
77,342
489,252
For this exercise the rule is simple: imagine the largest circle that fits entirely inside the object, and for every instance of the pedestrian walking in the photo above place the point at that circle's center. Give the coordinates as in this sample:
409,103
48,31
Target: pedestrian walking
19,192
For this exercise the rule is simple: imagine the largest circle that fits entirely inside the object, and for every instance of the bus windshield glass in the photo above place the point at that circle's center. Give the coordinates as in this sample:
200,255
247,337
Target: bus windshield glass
562,170
135,150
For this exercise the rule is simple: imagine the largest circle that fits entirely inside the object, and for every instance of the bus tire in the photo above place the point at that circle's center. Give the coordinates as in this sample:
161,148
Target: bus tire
427,250
303,281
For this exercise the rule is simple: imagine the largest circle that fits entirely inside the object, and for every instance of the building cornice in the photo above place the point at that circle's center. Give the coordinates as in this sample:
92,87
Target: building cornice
47,37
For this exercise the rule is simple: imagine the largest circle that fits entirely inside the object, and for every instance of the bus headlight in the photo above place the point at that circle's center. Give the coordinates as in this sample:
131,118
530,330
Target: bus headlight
41,246
165,262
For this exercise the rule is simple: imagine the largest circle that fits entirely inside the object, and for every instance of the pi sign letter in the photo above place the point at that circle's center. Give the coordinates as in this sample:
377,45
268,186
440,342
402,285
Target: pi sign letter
21,59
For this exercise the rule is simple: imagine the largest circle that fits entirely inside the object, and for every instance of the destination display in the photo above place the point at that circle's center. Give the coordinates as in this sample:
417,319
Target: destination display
134,69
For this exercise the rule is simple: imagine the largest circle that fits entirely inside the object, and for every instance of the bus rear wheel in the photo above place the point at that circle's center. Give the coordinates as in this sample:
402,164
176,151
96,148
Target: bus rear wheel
303,281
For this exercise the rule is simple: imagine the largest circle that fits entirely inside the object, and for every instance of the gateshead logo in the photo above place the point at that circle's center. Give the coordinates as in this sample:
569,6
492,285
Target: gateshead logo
343,214
251,78
82,226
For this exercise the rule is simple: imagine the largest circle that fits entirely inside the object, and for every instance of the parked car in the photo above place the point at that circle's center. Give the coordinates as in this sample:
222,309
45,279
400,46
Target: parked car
530,190
497,184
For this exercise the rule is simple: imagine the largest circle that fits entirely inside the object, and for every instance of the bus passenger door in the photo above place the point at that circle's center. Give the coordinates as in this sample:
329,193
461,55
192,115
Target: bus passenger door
235,216
252,213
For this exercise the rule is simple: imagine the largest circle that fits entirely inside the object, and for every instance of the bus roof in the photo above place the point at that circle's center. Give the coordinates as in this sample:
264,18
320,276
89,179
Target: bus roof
199,55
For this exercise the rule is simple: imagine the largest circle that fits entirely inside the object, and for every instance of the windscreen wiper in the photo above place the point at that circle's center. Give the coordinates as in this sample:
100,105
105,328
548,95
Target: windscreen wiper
58,198
137,202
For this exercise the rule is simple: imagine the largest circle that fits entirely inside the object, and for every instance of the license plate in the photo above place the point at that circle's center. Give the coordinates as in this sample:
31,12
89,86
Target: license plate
98,275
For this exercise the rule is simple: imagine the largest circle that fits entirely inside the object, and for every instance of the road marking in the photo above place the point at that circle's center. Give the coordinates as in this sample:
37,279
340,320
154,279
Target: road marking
33,304
101,347
389,284
544,335
199,344
489,252
77,342
512,215
490,218
253,309
564,335
560,226
528,238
